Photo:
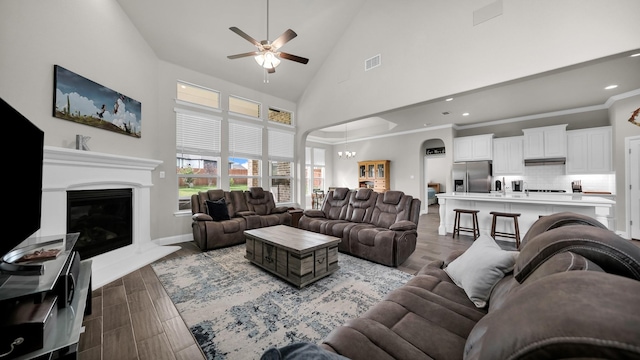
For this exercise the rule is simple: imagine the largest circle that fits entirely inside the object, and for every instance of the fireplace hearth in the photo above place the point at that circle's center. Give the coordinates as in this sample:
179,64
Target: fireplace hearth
102,217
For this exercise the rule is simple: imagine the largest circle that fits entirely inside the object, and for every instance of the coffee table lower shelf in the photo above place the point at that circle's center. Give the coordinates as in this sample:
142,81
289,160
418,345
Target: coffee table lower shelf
300,269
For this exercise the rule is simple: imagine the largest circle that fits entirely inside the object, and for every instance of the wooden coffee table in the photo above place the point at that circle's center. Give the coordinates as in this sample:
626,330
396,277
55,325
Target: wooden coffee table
298,256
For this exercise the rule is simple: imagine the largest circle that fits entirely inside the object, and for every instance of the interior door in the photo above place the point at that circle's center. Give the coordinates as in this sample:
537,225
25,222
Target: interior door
633,167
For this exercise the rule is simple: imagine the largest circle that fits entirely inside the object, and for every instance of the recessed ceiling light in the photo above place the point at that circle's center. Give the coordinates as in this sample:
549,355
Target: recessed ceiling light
465,114
611,87
634,55
449,99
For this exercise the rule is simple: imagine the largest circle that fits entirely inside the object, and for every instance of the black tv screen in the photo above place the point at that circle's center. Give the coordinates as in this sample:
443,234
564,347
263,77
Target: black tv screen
23,178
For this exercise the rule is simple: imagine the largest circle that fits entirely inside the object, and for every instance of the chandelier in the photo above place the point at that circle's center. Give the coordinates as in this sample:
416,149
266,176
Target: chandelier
346,154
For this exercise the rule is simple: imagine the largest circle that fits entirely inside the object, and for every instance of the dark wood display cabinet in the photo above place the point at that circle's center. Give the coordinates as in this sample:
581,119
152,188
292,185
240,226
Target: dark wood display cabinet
41,315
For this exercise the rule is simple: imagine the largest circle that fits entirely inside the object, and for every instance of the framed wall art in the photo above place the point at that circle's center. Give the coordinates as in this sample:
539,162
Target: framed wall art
84,101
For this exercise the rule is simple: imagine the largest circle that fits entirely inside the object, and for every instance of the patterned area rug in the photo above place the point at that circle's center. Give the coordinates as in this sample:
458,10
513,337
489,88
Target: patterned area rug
236,310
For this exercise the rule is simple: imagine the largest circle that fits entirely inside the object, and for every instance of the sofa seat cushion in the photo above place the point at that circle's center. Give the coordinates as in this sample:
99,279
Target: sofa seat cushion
480,268
232,225
569,315
341,228
413,322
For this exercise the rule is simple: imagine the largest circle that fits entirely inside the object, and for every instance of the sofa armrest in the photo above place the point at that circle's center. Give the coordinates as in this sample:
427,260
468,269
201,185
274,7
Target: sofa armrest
314,213
280,209
201,217
403,225
452,256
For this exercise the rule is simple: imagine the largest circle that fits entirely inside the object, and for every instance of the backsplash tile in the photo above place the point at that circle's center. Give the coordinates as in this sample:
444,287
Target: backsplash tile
553,177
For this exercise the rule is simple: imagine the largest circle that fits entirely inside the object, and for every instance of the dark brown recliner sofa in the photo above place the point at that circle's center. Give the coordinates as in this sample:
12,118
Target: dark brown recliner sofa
251,209
573,293
380,227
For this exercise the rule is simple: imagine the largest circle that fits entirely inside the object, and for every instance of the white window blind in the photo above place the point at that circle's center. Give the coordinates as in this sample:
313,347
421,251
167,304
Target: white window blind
280,145
307,155
197,133
245,140
318,156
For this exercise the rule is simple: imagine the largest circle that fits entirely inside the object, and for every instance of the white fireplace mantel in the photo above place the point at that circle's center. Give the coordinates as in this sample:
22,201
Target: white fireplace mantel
70,169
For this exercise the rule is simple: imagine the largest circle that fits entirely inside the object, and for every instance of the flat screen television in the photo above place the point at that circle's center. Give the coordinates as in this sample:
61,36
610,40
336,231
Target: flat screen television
24,158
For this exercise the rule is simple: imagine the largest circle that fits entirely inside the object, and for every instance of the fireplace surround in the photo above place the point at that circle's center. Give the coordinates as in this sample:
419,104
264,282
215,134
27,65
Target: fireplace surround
67,170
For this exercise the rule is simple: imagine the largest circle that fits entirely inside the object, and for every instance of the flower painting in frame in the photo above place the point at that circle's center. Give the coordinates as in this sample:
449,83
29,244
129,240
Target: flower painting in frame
84,101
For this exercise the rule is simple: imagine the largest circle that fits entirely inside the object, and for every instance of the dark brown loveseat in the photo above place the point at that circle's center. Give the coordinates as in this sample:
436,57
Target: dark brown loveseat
380,227
245,210
574,292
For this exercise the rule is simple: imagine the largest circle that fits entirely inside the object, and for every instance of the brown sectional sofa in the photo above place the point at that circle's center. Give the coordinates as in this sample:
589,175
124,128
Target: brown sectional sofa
574,292
251,209
380,227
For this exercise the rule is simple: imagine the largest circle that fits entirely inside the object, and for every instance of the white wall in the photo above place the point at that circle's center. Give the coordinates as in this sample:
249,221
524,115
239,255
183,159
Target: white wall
431,49
91,38
620,113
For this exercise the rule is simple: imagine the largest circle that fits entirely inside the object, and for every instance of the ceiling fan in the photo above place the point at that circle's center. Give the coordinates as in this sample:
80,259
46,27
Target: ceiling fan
268,55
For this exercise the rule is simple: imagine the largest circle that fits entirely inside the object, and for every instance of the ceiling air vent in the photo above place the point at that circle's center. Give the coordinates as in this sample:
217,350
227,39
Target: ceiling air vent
372,62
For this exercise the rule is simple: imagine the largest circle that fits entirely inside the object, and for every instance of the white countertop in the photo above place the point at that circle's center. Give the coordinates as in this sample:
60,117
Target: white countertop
533,198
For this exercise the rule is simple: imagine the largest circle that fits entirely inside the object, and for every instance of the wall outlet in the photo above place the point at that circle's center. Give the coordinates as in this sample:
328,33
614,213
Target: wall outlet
162,174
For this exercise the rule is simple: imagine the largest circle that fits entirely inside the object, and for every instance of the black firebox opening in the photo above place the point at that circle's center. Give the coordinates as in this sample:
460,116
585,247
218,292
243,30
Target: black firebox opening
102,217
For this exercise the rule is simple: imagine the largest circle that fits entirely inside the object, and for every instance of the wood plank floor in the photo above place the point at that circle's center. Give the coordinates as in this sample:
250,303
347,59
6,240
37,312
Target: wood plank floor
133,317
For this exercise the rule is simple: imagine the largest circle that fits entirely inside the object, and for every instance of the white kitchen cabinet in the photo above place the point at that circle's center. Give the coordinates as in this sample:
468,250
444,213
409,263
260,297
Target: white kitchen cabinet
589,151
508,156
473,148
545,142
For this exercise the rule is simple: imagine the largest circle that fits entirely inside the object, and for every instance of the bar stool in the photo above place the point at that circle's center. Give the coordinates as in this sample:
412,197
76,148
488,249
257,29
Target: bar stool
513,216
475,229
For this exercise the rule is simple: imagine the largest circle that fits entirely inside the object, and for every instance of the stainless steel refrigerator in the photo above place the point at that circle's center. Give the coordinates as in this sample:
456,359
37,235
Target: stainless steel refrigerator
472,176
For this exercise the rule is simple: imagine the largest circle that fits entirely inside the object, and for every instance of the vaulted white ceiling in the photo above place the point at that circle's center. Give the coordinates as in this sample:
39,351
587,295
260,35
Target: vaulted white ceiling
195,34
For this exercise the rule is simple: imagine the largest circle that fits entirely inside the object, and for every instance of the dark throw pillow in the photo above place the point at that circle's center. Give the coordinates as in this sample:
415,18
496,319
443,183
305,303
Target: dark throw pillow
218,210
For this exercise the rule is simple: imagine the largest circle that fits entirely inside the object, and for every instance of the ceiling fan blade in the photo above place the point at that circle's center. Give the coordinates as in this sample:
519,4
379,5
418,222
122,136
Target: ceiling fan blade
283,39
296,58
245,36
237,56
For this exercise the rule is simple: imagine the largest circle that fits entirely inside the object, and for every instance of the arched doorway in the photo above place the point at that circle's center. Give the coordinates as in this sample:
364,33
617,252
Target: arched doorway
435,168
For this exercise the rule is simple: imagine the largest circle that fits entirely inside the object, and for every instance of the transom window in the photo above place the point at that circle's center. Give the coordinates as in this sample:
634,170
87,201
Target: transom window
280,116
242,106
198,95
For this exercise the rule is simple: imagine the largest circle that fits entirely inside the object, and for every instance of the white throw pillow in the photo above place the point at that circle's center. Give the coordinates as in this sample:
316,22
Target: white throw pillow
480,268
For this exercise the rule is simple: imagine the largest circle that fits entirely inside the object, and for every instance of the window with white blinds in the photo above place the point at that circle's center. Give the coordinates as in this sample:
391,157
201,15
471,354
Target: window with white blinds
280,145
245,140
318,156
197,133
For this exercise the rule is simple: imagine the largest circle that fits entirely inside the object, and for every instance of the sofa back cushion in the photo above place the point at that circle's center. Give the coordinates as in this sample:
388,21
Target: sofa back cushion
259,201
391,207
199,200
603,247
361,205
570,315
557,220
558,263
335,204
237,202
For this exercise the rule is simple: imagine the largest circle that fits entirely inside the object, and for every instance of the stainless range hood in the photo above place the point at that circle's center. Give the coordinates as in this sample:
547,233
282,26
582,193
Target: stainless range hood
549,161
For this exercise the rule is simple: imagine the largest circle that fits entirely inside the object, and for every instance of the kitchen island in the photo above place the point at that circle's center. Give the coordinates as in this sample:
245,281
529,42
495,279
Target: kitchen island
530,206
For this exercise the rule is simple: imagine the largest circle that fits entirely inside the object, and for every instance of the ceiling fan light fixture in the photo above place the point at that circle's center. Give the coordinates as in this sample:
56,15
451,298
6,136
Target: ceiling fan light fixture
267,60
